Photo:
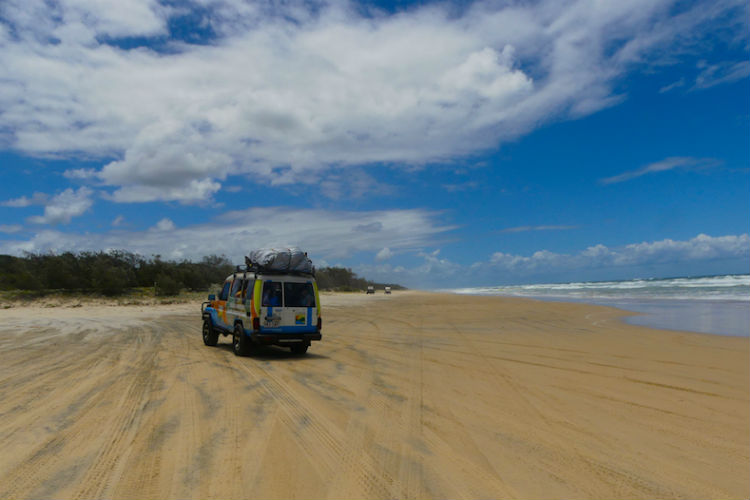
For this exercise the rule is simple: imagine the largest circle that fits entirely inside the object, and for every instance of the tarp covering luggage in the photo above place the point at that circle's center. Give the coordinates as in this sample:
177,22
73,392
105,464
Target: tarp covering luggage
285,260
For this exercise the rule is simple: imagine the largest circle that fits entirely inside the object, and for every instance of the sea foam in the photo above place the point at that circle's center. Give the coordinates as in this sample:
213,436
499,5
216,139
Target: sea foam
730,287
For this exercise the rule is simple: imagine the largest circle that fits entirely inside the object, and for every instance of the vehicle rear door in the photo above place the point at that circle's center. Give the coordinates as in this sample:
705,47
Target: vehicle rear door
271,309
299,314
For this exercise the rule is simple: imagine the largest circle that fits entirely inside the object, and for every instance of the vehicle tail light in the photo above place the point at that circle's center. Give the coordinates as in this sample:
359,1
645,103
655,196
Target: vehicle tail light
256,324
320,323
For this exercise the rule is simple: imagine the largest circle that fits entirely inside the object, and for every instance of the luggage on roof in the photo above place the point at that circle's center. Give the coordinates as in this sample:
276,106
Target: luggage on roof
284,260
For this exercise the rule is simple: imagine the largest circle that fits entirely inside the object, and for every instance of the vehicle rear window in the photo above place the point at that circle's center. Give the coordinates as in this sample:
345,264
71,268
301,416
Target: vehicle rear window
271,294
299,295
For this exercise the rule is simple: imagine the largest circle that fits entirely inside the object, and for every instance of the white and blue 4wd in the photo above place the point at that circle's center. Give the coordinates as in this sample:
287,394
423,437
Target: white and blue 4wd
264,308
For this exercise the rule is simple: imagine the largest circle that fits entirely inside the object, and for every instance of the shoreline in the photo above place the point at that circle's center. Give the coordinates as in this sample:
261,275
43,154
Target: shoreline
725,317
716,304
713,317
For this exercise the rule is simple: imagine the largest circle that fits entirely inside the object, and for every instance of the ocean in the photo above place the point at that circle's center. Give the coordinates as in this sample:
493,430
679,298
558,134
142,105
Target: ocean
705,304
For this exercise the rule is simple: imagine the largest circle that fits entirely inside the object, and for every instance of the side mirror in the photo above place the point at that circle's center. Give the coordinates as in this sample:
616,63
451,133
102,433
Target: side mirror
212,297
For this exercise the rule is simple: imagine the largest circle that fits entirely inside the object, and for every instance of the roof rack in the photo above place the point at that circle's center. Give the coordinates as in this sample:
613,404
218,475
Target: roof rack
254,268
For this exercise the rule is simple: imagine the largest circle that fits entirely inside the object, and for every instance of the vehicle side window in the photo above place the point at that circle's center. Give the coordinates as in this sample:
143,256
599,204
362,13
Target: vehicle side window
248,284
236,288
271,294
225,291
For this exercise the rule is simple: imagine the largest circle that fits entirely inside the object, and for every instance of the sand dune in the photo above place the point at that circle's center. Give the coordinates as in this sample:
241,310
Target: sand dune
414,395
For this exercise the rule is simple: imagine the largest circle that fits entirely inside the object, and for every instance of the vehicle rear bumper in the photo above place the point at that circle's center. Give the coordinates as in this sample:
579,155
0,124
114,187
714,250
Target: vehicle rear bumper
284,338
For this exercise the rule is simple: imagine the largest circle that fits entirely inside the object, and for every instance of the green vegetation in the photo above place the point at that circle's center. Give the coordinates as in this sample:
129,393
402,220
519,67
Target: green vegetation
108,273
117,273
345,280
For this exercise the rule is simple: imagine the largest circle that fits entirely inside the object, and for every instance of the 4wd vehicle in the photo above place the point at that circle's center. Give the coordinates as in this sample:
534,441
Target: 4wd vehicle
265,305
370,290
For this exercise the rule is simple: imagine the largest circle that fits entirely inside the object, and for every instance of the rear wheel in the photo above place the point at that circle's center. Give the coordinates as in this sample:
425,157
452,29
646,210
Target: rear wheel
299,349
240,341
210,336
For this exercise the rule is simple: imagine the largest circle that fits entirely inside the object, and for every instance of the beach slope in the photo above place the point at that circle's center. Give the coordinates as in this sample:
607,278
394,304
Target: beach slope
413,395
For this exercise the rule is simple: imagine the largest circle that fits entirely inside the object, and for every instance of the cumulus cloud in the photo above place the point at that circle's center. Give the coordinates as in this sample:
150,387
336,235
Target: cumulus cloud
164,224
60,209
671,163
328,235
702,247
283,92
194,191
595,262
113,18
384,254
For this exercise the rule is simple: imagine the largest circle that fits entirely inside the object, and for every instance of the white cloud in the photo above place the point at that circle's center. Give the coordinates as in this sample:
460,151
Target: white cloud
293,89
164,224
352,184
23,201
657,258
723,72
60,209
432,271
118,221
117,18
671,163
328,235
195,191
81,21
80,173
677,84
384,254
711,75
702,247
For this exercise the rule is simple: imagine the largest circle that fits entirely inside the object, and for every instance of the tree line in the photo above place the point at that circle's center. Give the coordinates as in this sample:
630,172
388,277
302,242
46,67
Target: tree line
119,272
345,280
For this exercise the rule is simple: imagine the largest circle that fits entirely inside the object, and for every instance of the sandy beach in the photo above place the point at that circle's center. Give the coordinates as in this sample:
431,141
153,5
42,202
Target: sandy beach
413,395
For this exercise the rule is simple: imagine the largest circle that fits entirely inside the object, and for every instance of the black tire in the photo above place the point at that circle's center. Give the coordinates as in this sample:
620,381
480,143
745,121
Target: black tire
210,336
299,349
241,343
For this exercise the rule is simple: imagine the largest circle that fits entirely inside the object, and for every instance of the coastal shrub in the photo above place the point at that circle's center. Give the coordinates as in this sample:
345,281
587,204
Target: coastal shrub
342,279
110,281
118,272
167,285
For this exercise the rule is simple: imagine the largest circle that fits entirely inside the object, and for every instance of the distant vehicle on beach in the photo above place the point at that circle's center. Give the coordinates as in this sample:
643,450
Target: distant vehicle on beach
272,300
370,290
387,290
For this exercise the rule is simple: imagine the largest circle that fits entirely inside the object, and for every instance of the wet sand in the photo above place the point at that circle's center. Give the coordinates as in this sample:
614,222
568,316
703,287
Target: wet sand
412,395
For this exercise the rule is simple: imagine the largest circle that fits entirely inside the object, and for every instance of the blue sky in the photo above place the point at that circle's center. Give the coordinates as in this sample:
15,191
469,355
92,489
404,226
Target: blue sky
433,144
